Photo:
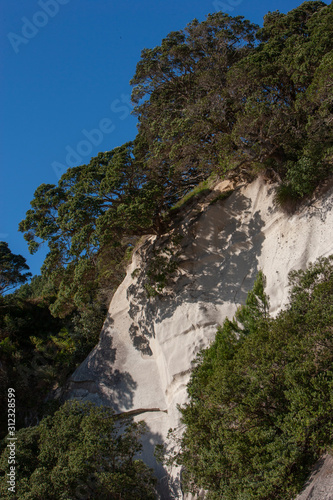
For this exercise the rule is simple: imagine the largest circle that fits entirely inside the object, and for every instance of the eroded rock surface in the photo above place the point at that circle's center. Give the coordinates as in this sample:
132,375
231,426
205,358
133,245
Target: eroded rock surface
143,360
320,483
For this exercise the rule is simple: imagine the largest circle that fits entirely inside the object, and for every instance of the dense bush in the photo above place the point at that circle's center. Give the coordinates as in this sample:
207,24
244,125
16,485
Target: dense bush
77,453
261,396
38,351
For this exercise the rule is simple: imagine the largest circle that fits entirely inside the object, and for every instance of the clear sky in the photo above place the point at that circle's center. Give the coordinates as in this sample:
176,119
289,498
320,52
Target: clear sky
64,91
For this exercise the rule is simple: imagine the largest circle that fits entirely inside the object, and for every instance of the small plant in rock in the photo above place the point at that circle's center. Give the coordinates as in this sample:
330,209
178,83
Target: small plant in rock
135,273
286,198
222,196
162,266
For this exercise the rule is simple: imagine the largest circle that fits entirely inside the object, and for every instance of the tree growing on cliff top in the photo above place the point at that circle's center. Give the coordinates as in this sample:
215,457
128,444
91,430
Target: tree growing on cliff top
284,123
181,95
91,218
218,96
222,94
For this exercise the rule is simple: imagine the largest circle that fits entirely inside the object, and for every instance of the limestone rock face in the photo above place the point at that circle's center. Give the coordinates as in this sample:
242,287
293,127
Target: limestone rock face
320,483
143,360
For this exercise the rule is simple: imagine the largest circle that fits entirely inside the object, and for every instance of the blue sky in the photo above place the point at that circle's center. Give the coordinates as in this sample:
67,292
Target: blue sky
64,91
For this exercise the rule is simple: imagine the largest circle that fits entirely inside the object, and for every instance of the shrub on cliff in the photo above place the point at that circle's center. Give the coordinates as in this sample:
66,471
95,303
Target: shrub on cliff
260,397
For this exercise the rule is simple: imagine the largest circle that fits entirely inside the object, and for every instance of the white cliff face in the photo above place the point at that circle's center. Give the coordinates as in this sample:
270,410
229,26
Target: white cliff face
143,360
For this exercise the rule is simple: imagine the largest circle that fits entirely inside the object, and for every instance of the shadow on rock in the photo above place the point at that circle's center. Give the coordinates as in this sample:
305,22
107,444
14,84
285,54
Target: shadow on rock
168,488
96,380
218,262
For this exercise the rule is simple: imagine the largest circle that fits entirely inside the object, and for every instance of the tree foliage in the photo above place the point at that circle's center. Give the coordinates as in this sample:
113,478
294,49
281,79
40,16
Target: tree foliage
221,95
182,101
80,452
260,397
39,351
12,269
278,122
83,219
92,218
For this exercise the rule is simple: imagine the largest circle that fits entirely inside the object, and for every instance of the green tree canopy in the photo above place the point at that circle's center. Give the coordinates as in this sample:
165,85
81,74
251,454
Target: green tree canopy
80,452
222,94
219,95
92,217
182,101
39,351
281,123
12,269
83,220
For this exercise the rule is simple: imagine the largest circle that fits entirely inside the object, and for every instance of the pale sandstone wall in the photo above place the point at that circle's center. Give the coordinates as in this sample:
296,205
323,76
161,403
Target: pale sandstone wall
143,360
